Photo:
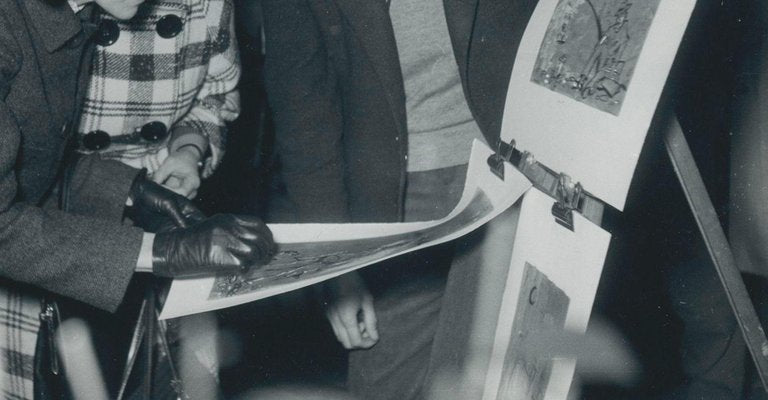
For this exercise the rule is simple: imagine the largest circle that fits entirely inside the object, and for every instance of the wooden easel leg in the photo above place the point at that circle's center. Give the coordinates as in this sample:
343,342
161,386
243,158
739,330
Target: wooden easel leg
719,250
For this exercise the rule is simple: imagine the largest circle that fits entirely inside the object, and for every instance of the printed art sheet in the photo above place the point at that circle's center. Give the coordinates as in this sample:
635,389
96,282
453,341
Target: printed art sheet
311,253
586,82
551,285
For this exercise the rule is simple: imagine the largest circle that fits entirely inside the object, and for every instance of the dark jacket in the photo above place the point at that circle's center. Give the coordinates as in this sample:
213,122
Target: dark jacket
86,254
749,140
336,91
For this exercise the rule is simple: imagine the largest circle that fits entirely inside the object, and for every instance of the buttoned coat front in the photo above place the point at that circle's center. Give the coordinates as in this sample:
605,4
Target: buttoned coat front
85,254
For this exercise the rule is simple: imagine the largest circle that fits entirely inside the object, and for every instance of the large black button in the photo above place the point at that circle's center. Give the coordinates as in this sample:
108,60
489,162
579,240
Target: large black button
154,131
96,140
108,33
169,26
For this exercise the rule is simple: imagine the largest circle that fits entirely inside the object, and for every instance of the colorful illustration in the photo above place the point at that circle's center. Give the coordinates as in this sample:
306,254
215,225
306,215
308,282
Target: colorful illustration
303,260
591,47
541,306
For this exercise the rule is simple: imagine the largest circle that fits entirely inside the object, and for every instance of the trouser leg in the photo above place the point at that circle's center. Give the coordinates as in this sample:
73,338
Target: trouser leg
407,311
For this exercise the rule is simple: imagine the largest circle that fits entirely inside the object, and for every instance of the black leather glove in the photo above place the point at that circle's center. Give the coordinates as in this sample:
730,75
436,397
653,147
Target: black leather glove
154,204
222,243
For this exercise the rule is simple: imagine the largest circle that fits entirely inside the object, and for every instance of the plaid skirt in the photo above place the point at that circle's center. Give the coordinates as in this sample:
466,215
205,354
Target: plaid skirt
19,326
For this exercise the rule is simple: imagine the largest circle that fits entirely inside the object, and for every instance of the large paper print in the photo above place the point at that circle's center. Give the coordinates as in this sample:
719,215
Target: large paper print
297,260
567,271
541,307
311,253
591,48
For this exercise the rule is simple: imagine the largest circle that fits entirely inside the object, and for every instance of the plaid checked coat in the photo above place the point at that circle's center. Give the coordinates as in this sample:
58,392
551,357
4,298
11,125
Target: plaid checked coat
187,82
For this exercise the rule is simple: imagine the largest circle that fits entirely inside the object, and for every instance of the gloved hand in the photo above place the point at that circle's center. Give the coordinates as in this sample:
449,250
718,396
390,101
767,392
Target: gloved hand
153,203
222,243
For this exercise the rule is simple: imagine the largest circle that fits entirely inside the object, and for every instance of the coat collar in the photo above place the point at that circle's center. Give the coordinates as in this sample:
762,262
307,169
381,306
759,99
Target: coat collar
54,21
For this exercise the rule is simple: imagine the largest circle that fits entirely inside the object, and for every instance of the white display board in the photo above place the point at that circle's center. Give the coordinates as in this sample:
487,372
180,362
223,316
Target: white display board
585,86
571,261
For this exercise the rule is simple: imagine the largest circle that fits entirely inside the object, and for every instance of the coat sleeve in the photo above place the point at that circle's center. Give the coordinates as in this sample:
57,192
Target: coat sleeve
218,101
88,259
306,106
99,188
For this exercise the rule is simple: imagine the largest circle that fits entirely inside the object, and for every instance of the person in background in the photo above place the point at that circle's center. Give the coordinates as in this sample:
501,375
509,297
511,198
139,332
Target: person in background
60,216
167,113
747,222
376,104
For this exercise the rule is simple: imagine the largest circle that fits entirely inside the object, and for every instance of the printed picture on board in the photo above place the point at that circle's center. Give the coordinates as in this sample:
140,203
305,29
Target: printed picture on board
591,49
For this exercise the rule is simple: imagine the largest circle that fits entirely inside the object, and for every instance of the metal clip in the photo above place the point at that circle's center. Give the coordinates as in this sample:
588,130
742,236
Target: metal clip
569,197
504,152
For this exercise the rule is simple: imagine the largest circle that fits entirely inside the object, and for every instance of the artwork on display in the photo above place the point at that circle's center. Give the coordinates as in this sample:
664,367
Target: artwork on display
591,48
541,307
591,73
311,253
585,85
595,45
295,261
534,279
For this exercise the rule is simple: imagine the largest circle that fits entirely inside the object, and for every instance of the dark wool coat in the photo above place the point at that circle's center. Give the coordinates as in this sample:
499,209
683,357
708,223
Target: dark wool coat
336,90
86,254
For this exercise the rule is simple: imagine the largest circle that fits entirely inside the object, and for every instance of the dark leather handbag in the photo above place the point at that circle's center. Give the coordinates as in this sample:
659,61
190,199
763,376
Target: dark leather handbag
50,383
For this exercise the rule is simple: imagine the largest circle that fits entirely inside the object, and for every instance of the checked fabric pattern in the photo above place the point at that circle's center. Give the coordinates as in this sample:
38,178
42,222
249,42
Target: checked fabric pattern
187,82
19,324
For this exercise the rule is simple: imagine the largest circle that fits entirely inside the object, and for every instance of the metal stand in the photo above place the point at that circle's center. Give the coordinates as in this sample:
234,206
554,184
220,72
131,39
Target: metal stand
717,245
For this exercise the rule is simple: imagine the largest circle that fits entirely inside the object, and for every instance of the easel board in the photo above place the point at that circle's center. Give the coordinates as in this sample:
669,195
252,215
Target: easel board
571,260
585,85
519,250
